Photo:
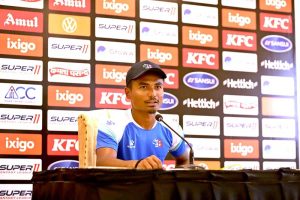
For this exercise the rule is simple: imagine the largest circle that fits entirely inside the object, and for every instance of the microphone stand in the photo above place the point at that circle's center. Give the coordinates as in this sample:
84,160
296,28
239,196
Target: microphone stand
191,165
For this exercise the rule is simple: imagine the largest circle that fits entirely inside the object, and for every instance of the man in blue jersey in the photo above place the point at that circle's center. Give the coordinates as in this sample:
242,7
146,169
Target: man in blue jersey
133,138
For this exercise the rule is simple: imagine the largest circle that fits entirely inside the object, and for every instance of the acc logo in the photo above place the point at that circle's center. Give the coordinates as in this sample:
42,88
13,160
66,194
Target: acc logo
169,101
276,43
63,164
201,80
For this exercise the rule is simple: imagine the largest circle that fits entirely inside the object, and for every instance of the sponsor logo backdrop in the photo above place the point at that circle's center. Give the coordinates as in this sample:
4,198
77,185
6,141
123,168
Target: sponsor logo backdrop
230,82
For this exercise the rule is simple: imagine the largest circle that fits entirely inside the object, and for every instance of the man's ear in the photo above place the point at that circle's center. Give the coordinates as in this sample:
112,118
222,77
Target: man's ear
127,93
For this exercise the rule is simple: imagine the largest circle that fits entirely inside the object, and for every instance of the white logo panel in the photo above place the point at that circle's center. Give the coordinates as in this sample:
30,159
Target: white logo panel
115,51
239,165
241,62
213,2
276,165
250,4
21,94
279,149
115,28
201,125
69,48
157,32
38,4
66,72
241,126
277,85
202,15
159,10
240,105
62,120
18,69
278,128
205,148
20,119
16,191
19,169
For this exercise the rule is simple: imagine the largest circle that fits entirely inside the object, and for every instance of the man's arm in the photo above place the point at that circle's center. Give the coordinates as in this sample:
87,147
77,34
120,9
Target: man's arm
108,157
183,159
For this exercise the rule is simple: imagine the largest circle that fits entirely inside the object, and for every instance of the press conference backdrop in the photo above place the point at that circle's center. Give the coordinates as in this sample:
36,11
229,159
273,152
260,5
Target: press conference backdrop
230,65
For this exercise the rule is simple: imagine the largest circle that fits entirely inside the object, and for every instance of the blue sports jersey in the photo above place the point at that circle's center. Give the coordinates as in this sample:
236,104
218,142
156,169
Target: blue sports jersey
118,130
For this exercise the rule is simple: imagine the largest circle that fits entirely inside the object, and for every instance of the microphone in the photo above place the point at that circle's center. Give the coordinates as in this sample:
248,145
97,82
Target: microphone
159,118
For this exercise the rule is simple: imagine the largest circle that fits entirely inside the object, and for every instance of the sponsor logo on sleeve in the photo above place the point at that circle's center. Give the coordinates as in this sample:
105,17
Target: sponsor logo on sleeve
237,148
38,4
20,119
238,19
239,40
16,191
201,80
21,45
205,147
278,128
66,72
159,10
124,8
62,145
199,58
250,4
201,15
62,120
158,32
240,105
111,98
241,126
278,106
21,69
21,94
19,169
69,25
276,5
199,36
111,74
238,61
70,164
279,149
162,55
276,43
109,51
69,96
276,23
201,125
14,20
21,144
115,28
170,101
81,6
277,85
69,48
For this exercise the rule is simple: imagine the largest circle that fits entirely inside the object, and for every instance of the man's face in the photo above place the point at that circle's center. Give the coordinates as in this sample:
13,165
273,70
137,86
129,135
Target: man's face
146,93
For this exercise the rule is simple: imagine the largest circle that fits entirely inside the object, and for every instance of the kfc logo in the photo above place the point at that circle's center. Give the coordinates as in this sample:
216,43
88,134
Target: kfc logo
276,23
111,98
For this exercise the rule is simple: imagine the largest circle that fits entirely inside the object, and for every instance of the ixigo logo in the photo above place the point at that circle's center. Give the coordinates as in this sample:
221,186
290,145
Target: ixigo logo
24,47
18,144
157,55
277,3
72,98
201,37
241,149
117,7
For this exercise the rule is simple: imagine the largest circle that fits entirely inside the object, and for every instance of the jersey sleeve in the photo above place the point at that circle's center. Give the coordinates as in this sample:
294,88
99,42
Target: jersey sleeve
178,145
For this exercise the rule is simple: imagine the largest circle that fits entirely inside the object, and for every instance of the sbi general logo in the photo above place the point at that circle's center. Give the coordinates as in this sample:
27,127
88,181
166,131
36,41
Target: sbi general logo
169,101
201,80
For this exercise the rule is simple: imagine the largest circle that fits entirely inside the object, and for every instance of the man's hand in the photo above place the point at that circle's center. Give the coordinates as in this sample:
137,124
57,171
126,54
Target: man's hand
151,162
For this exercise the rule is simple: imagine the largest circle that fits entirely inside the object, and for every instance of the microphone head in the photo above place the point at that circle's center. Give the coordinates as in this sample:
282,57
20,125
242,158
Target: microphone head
158,117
